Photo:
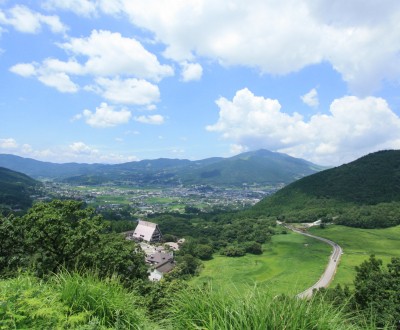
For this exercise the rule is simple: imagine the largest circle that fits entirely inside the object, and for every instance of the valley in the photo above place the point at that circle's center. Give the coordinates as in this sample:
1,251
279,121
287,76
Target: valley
143,201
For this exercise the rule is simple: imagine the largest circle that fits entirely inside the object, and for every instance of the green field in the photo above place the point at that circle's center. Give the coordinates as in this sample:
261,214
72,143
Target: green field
289,264
358,244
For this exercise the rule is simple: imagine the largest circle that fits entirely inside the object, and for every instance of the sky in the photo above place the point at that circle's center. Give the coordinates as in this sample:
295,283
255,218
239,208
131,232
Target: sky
111,81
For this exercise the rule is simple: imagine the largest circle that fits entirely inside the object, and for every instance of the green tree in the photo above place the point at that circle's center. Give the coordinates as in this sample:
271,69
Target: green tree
377,290
56,234
203,251
66,235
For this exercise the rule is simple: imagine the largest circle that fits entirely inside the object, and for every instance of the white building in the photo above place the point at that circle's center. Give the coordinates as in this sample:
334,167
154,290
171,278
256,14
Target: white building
146,231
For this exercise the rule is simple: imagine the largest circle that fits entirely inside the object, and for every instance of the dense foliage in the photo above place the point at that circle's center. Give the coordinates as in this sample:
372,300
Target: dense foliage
212,232
375,295
364,193
66,235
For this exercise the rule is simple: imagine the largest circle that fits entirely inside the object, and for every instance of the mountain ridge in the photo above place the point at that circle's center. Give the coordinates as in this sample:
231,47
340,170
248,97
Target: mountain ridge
259,167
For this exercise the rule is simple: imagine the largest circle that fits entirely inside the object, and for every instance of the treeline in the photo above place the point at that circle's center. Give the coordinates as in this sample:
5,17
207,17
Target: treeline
229,233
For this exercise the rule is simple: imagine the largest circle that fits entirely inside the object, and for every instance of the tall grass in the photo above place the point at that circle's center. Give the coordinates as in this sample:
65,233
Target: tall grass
68,301
203,308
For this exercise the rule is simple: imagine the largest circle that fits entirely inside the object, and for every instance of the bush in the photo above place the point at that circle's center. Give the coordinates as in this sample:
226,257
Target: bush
233,251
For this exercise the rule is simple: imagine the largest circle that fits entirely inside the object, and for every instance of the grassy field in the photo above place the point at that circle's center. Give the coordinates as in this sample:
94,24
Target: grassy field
358,245
289,264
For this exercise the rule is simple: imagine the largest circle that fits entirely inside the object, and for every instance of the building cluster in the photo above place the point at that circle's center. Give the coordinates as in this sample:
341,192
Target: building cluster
160,258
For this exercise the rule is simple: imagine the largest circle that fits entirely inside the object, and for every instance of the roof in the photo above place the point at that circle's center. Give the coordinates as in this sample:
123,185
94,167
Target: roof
159,258
166,267
146,231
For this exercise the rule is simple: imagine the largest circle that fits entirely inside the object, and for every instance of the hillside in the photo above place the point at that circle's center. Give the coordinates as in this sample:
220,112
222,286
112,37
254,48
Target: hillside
364,193
15,189
258,167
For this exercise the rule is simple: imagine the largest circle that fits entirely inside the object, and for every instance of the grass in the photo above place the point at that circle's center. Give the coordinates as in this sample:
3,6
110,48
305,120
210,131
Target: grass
68,301
256,310
289,264
358,245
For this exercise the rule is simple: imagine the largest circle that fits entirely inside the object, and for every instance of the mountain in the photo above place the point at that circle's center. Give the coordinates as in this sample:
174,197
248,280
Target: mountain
40,170
259,167
16,189
355,193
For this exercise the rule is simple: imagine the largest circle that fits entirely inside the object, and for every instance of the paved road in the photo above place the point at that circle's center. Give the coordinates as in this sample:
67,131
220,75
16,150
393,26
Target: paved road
330,269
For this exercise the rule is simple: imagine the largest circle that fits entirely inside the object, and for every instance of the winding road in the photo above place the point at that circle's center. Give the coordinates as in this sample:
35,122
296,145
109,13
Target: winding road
330,269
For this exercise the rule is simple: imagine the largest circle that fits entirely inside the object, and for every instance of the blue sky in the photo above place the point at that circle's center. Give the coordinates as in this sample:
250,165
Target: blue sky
111,81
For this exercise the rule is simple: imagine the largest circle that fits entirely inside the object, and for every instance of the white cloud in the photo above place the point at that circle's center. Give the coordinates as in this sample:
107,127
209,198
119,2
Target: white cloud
108,54
80,7
24,69
49,74
311,98
358,38
152,119
25,20
127,91
111,54
60,81
354,127
236,149
105,116
191,71
8,143
81,148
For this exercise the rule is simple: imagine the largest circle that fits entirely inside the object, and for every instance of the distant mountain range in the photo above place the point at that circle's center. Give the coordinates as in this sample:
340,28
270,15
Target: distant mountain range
363,193
256,167
16,189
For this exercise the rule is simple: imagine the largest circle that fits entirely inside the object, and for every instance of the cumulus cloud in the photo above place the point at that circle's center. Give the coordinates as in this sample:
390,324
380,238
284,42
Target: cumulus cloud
59,80
8,143
81,148
25,20
105,116
152,119
191,71
353,127
311,98
107,57
24,69
359,38
109,53
127,91
46,74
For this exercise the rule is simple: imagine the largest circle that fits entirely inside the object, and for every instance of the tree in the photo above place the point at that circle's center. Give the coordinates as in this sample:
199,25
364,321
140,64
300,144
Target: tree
253,247
66,235
56,234
377,290
11,250
203,251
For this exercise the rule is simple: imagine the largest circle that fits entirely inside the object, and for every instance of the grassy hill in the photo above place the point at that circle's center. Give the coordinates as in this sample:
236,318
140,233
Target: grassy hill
15,189
363,193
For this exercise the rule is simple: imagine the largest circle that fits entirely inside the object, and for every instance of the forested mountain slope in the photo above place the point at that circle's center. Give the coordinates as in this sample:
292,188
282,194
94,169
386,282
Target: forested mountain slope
363,193
16,189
